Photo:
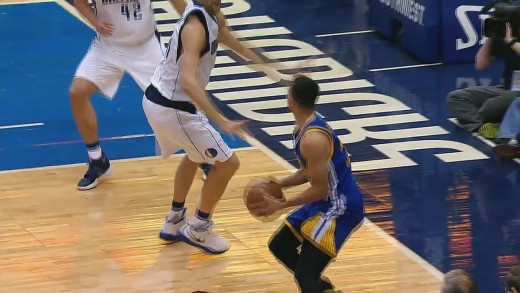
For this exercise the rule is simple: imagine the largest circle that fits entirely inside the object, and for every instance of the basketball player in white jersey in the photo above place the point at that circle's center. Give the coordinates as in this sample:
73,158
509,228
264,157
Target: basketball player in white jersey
178,107
126,41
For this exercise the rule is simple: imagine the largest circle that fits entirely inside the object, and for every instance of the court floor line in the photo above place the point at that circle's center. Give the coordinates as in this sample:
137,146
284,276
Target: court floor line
23,2
115,160
482,139
404,67
100,139
344,33
21,125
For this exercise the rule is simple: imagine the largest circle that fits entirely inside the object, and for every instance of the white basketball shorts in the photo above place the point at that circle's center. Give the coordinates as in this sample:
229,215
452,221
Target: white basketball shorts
178,130
104,64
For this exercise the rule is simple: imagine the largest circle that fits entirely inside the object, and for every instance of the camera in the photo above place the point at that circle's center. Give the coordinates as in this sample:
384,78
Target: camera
505,12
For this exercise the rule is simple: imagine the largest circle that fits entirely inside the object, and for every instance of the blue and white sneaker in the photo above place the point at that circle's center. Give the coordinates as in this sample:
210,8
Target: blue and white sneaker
172,226
205,167
199,233
96,169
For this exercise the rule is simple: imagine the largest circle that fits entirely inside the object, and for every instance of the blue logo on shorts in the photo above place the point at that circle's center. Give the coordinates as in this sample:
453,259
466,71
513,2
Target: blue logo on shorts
211,152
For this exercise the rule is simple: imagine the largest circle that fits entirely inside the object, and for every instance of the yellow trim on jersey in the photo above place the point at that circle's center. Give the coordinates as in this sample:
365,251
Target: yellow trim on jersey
324,130
344,150
296,233
327,243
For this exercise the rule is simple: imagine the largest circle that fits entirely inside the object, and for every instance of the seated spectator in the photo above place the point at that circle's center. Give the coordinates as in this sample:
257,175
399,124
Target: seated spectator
481,108
510,150
513,280
508,146
459,281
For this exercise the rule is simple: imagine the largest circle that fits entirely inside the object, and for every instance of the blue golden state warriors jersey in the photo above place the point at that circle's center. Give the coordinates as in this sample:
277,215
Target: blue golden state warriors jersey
343,190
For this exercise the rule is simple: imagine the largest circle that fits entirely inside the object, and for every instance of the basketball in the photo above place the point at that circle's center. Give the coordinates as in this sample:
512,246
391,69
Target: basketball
273,189
255,191
254,195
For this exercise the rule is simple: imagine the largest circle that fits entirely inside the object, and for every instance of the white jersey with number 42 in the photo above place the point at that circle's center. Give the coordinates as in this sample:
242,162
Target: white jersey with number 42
133,20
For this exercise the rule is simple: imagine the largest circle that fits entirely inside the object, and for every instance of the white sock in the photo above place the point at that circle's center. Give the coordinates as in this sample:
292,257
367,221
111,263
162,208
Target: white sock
196,222
95,152
174,214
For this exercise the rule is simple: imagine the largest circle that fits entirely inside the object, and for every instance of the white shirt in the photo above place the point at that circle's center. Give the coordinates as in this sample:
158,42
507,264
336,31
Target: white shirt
133,20
168,72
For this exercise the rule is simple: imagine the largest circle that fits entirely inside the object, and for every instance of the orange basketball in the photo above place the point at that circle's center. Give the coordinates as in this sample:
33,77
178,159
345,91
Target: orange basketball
255,191
273,189
254,195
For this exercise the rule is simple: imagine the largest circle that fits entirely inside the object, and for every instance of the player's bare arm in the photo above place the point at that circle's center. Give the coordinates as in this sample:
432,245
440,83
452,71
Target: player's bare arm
314,147
194,40
225,36
484,57
179,5
295,179
228,39
84,8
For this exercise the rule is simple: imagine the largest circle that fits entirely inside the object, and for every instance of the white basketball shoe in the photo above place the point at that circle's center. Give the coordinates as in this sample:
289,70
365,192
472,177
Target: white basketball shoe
199,233
172,226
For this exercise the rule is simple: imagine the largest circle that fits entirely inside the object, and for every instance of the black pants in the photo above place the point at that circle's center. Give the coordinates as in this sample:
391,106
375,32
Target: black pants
306,266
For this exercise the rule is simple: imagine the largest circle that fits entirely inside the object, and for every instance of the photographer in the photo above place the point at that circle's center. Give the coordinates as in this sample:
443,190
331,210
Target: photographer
508,135
482,108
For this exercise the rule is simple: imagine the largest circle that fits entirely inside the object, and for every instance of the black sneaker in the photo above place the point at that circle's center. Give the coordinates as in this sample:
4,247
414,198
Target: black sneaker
96,169
205,167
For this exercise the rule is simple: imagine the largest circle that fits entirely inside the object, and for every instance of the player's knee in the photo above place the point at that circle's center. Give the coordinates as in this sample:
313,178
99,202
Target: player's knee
233,163
274,245
305,279
228,167
80,90
76,94
279,242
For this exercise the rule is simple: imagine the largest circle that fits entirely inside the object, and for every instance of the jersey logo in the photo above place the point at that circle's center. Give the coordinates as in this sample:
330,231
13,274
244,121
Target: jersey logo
211,152
195,238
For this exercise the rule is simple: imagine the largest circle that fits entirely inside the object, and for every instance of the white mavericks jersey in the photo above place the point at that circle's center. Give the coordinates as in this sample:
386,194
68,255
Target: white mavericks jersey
168,71
133,20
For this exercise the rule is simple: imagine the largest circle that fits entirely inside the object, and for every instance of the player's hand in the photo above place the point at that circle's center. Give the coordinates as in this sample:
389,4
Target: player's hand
237,128
274,180
268,207
272,73
104,29
509,33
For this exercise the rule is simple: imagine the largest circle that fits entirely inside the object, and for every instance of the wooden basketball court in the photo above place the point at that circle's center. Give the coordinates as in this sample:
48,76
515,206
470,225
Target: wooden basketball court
54,238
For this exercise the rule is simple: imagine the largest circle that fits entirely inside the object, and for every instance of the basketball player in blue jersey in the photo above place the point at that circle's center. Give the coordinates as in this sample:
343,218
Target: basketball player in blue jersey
126,41
332,206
